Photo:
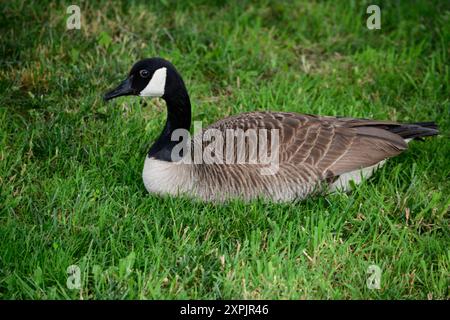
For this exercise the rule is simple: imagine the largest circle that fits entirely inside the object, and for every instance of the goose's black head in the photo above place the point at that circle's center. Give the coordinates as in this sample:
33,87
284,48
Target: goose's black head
154,77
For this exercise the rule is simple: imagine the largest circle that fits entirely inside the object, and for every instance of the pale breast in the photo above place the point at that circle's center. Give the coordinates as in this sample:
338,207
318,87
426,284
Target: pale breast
163,177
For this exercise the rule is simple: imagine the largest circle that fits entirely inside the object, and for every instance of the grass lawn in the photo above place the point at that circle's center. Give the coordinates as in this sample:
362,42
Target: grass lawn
71,191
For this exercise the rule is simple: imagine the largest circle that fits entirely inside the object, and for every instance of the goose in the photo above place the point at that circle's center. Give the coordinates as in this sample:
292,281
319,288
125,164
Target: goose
316,154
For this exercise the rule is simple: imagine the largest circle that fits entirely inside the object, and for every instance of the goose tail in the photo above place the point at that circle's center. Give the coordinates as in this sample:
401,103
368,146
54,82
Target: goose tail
416,131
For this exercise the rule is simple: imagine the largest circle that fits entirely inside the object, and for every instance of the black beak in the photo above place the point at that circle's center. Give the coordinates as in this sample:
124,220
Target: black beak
124,89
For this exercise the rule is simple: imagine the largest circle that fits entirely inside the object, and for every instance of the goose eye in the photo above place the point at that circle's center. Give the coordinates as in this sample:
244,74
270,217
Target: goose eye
144,73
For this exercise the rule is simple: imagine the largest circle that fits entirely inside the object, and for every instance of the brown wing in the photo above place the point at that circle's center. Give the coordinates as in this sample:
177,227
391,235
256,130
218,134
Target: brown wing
332,145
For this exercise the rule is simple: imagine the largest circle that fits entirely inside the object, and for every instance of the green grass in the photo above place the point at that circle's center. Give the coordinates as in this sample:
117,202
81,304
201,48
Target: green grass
70,170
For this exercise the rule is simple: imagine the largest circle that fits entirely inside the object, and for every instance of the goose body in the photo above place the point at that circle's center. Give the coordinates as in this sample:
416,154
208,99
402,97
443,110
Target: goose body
315,154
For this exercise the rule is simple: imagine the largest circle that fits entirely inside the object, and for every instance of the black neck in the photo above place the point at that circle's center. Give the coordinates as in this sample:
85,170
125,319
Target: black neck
178,117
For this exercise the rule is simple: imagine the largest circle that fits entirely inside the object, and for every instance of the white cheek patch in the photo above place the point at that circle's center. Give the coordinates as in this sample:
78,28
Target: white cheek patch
155,88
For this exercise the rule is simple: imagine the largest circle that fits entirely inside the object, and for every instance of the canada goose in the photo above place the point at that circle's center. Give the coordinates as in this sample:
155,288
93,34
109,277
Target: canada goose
316,153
